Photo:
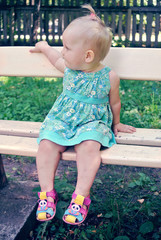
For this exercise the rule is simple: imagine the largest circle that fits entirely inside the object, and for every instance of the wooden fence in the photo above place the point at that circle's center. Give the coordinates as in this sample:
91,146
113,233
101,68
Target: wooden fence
23,22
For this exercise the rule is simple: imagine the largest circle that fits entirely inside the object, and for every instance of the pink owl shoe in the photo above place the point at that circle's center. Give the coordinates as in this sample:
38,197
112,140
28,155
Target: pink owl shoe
46,208
76,214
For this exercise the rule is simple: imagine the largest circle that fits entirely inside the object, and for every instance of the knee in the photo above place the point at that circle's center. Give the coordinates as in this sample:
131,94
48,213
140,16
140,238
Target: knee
48,147
90,147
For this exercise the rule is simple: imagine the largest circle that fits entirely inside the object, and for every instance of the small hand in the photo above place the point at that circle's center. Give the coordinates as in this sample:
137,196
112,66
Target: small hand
39,47
120,127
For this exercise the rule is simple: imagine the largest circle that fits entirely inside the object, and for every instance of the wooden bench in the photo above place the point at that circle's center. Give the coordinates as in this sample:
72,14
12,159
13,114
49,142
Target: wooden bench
142,149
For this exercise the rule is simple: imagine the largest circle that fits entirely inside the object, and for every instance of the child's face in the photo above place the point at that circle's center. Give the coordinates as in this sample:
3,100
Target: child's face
73,50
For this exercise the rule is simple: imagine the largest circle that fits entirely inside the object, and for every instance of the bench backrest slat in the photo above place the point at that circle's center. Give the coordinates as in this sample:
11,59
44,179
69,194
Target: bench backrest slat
129,63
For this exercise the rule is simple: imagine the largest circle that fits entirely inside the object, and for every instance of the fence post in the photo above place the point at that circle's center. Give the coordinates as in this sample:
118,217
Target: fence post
128,29
36,15
12,26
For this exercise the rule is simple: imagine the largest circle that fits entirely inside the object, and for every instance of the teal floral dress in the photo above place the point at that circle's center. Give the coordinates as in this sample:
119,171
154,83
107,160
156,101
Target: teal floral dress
82,111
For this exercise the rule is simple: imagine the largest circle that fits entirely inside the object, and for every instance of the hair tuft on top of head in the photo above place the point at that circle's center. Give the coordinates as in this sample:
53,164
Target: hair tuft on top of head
89,7
93,15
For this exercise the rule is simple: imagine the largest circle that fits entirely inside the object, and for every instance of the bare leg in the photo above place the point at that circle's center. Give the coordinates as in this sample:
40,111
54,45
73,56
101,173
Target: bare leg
47,160
88,163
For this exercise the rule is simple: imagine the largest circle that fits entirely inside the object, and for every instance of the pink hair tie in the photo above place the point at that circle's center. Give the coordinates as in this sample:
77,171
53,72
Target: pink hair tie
93,15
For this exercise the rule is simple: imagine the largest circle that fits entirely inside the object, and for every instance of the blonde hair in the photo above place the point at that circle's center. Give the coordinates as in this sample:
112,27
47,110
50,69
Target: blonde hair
94,32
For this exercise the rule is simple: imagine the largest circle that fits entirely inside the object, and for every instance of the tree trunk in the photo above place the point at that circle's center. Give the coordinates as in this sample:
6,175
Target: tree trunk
3,178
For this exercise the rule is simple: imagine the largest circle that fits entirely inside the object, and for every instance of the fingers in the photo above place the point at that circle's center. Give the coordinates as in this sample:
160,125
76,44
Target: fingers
34,50
115,132
38,47
123,128
130,129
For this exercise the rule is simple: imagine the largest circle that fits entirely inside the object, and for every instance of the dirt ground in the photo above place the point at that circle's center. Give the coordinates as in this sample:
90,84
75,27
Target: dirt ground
109,178
24,169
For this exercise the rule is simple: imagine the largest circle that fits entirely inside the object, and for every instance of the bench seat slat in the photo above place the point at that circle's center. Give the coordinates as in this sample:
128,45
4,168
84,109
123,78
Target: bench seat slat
22,146
130,155
119,154
149,137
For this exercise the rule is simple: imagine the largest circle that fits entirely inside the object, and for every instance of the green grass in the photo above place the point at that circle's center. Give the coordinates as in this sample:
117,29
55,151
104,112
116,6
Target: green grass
125,200
141,103
27,99
30,99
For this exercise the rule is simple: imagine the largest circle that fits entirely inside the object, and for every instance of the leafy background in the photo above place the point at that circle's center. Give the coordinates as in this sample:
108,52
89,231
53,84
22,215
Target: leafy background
30,99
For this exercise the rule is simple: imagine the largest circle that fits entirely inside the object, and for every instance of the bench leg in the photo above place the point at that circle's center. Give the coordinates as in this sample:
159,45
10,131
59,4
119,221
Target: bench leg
3,178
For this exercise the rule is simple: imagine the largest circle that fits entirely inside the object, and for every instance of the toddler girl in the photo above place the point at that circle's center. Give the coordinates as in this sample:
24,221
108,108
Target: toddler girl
82,115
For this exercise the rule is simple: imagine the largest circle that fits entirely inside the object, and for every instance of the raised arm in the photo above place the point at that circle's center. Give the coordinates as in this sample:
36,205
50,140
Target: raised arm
54,56
115,104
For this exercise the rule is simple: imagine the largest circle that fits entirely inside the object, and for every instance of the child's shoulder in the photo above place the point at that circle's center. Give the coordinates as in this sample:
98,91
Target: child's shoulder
114,79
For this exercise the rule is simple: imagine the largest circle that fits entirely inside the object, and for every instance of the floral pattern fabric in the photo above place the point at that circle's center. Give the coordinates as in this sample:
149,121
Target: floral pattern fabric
82,111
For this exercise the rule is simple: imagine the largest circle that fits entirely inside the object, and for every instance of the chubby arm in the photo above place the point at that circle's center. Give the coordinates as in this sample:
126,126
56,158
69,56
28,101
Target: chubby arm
54,56
115,104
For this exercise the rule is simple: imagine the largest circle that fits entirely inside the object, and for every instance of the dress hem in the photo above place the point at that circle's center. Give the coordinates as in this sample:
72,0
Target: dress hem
56,138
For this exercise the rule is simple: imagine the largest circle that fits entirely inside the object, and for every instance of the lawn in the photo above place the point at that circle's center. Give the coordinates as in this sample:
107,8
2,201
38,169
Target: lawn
125,200
30,99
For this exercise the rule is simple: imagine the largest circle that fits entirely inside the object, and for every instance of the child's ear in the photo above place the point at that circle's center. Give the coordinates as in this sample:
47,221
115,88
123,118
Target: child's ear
89,57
